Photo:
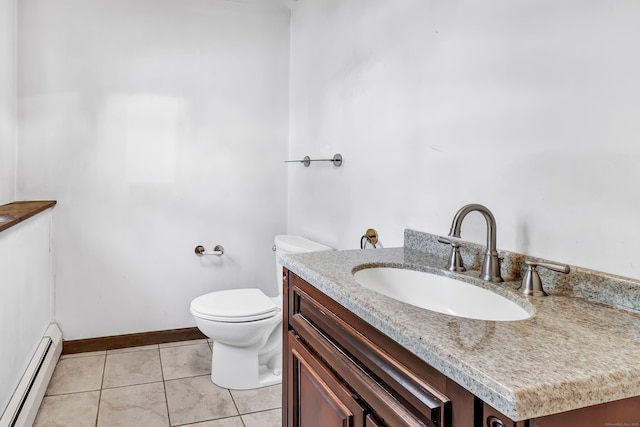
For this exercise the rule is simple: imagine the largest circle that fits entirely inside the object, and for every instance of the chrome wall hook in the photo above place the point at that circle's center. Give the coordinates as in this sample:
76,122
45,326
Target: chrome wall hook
371,237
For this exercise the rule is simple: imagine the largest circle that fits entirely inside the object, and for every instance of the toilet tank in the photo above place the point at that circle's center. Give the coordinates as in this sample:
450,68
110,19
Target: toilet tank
291,244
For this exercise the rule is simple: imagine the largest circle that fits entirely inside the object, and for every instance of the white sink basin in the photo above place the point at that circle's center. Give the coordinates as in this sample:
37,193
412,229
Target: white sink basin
441,294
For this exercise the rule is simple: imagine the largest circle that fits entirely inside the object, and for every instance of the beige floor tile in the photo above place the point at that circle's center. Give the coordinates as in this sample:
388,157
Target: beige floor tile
186,361
139,405
131,349
225,422
259,399
271,418
69,410
197,399
76,375
138,367
134,395
179,343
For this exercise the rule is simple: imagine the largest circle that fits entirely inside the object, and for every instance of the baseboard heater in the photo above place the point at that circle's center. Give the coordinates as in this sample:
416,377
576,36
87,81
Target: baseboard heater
25,402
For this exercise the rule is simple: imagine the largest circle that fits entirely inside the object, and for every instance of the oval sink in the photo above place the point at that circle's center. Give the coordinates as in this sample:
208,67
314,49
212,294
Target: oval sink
440,293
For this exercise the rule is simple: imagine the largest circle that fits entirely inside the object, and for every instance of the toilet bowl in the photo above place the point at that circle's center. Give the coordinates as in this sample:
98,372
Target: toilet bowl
245,326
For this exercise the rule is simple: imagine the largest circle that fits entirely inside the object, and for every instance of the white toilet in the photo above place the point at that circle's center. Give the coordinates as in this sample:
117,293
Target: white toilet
246,327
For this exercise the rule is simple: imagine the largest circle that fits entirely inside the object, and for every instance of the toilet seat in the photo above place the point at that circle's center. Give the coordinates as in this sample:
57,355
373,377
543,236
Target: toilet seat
234,306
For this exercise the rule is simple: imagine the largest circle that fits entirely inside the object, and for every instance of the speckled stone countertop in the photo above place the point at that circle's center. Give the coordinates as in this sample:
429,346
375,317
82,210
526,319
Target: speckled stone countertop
572,352
16,212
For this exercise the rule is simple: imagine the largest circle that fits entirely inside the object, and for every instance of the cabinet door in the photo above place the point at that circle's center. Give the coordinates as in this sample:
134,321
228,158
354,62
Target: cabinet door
319,399
396,395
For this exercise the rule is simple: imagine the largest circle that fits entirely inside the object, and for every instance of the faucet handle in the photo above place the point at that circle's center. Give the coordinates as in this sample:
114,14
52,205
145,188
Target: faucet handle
560,268
448,241
455,259
531,283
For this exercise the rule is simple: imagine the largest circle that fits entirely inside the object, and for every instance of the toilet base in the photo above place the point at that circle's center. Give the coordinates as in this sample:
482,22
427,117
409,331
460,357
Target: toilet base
244,368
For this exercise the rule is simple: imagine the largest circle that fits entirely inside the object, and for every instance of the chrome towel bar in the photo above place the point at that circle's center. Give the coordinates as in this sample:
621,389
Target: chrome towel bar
336,160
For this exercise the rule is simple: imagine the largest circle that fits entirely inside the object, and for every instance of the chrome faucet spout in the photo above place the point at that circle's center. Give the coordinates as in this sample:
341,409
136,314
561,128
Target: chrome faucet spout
456,225
491,262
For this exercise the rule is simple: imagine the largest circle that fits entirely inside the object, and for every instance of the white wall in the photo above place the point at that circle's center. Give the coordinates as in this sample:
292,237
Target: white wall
7,100
26,289
530,108
157,125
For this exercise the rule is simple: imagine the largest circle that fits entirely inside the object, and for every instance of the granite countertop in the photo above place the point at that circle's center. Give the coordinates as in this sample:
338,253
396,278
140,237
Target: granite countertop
571,353
16,212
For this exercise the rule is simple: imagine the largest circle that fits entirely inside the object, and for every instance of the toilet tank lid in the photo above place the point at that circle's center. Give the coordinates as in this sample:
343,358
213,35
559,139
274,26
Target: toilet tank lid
297,244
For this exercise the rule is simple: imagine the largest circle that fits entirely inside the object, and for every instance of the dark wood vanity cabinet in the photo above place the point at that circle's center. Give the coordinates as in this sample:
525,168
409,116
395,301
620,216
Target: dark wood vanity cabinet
340,371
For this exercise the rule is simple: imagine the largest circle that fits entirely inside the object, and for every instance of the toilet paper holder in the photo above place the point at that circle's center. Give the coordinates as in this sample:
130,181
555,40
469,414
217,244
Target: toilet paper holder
218,250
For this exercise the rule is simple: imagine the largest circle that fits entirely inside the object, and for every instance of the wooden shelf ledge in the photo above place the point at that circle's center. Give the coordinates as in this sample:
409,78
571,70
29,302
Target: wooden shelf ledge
15,212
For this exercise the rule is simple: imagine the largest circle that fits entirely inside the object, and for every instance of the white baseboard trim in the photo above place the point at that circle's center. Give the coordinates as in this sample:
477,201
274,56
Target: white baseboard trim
25,402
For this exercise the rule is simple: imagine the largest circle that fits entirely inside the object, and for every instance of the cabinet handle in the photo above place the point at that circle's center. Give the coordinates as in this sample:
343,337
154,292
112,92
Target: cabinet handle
495,422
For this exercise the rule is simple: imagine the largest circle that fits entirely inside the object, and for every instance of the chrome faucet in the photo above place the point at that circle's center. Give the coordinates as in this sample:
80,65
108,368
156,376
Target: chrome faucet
491,262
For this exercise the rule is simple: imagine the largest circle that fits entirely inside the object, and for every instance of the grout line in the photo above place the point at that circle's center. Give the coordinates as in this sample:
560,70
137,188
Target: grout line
236,405
263,410
207,421
164,386
81,355
182,343
132,385
71,392
150,347
104,369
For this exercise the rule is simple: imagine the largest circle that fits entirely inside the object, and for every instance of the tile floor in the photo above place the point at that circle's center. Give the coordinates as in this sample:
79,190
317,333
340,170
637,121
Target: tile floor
159,385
